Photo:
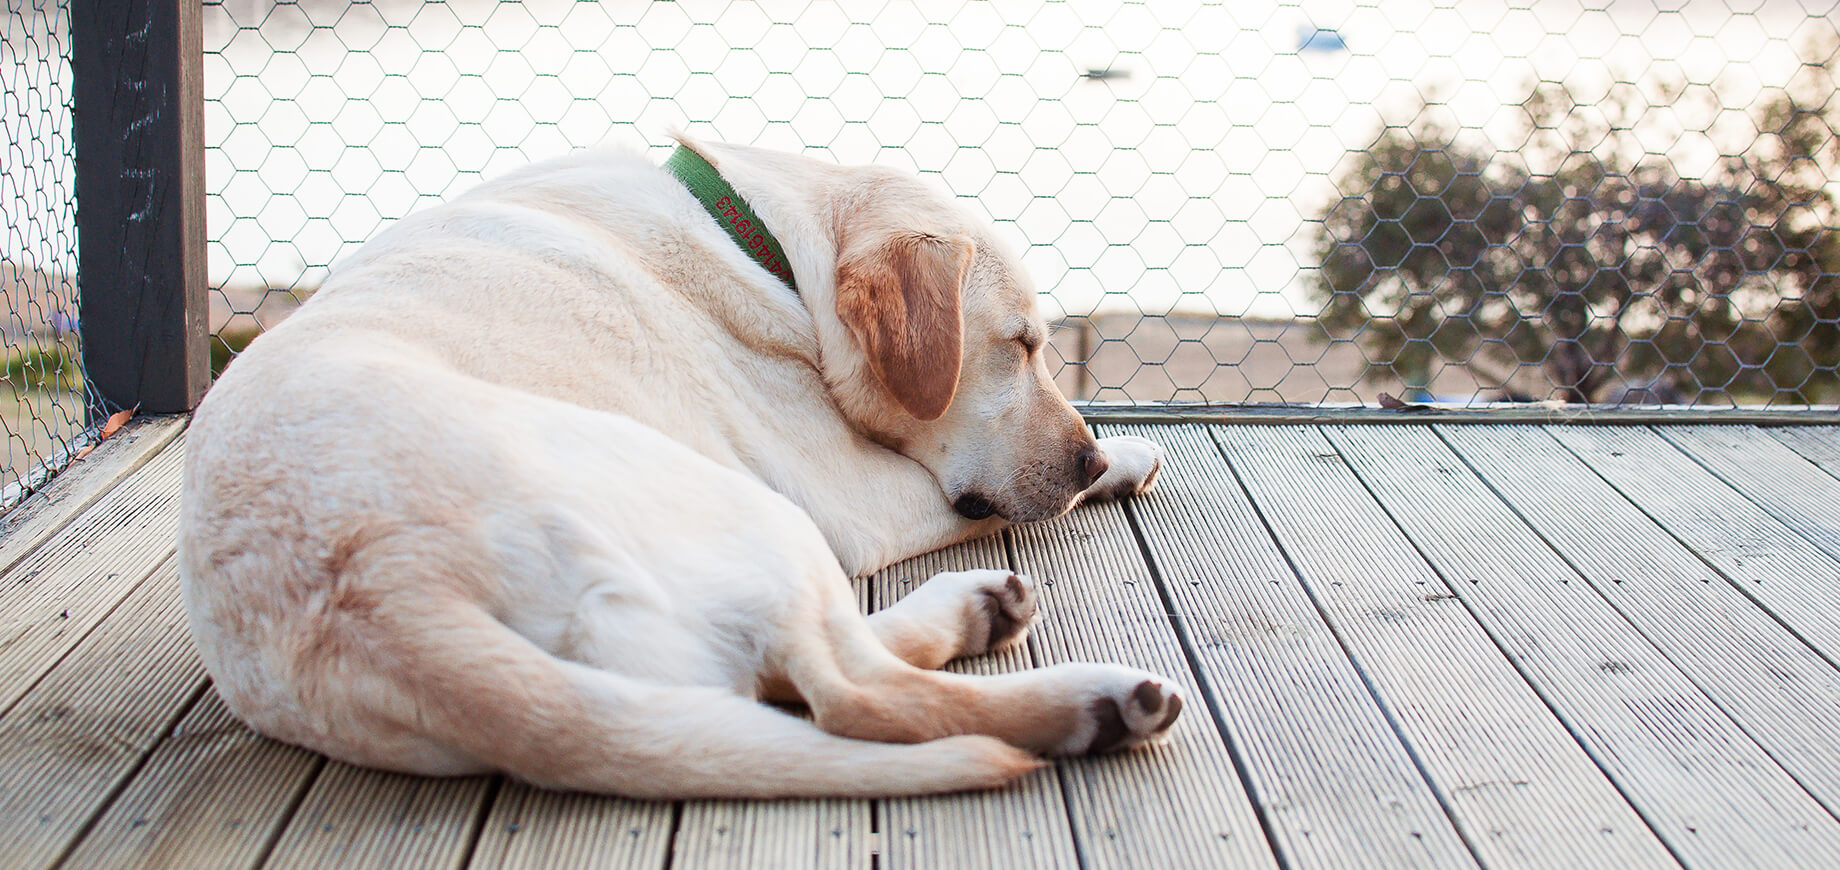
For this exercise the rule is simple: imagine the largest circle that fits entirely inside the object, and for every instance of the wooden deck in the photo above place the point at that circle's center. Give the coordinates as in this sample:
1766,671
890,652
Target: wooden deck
1410,645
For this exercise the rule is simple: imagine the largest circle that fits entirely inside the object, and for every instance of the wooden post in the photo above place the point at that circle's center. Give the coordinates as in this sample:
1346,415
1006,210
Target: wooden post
139,136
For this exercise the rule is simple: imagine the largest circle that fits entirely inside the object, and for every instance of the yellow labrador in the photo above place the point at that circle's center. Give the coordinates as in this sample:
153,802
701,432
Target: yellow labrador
564,477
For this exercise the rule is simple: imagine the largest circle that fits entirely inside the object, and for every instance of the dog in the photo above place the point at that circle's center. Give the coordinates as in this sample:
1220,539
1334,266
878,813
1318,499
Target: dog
566,477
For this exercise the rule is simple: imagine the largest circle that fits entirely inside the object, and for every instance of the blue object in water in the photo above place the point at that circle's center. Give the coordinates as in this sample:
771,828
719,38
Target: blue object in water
1319,39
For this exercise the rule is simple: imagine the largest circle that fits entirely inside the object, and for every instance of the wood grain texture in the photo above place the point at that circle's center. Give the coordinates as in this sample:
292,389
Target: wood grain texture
771,835
137,84
1338,665
70,742
1775,566
533,829
1793,490
1709,791
1780,691
1340,787
1181,804
1024,825
1817,444
212,795
63,589
353,817
1505,768
46,512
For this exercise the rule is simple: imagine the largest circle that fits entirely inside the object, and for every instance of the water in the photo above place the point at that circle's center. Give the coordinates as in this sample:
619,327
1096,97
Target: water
1185,178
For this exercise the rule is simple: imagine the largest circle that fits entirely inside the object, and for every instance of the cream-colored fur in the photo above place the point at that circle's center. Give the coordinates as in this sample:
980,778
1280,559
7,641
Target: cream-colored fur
553,480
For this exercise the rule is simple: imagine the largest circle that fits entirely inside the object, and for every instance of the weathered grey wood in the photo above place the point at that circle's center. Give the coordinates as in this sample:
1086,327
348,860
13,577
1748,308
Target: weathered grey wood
45,513
1491,744
1778,568
791,834
1496,413
212,794
1339,786
1783,694
77,735
353,817
537,829
54,596
1181,804
1021,826
1793,490
1817,444
1697,778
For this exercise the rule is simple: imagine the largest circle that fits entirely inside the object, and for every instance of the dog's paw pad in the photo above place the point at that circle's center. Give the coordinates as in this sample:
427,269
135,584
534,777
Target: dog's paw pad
1138,716
1007,607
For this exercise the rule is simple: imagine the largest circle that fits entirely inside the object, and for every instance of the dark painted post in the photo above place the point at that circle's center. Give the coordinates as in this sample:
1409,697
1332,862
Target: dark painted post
139,122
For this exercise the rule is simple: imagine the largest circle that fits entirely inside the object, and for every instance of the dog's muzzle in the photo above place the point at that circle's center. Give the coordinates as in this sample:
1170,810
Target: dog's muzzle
973,507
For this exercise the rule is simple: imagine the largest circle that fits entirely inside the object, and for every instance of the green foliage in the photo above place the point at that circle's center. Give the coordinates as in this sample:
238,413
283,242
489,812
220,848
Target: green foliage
1591,259
226,343
51,367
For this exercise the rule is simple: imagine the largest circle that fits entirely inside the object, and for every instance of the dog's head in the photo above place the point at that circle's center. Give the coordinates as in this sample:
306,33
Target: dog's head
944,358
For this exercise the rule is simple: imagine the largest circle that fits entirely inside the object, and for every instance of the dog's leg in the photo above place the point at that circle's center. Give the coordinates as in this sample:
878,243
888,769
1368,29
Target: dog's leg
957,614
857,688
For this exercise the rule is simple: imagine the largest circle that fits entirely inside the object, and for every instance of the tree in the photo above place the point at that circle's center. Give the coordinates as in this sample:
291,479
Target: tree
1581,266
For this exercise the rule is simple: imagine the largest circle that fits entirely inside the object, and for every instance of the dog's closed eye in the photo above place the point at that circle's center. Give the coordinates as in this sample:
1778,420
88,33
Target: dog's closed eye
1031,342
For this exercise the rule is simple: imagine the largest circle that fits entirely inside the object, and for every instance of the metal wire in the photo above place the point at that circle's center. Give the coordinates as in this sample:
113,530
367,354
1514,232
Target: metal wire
1317,202
43,412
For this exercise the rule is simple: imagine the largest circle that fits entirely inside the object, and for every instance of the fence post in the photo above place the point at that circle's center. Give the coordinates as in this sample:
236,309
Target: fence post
139,137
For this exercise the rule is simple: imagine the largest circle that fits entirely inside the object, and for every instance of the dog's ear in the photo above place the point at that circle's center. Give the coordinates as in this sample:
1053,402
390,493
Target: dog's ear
900,298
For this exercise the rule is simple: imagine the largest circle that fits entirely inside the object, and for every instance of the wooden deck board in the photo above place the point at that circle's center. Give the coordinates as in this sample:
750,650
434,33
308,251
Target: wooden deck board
791,834
1788,487
1519,786
56,594
213,794
537,829
352,817
1782,571
1354,714
1817,444
75,737
1178,805
1337,785
1780,691
1703,785
1023,826
32,522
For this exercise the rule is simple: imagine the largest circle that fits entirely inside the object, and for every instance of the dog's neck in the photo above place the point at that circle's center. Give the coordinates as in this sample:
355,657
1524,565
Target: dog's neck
731,212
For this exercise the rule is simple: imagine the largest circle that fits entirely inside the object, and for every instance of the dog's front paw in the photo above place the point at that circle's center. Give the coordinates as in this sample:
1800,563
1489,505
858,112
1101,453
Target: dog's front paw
1133,466
999,607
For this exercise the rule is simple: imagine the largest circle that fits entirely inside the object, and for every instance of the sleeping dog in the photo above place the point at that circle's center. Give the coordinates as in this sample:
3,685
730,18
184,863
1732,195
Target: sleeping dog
566,476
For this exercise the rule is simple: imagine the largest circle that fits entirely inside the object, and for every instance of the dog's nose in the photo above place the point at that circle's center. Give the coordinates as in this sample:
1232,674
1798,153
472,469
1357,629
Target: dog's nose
1092,464
973,507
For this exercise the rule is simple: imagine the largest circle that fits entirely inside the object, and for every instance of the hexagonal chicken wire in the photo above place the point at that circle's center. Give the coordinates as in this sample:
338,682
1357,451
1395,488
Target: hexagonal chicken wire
1269,202
42,412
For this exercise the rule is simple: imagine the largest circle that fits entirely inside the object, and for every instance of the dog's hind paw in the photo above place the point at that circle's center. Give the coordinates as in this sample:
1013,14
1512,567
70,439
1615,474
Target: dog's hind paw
1126,708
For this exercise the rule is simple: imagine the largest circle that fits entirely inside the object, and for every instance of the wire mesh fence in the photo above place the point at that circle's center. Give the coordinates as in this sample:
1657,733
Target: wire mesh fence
1250,202
43,412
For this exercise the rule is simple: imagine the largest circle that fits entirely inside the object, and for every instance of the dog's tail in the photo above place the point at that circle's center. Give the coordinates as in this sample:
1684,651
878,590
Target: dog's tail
485,692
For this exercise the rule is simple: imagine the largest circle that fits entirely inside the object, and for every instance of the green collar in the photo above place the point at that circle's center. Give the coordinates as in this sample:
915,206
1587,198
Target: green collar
731,211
